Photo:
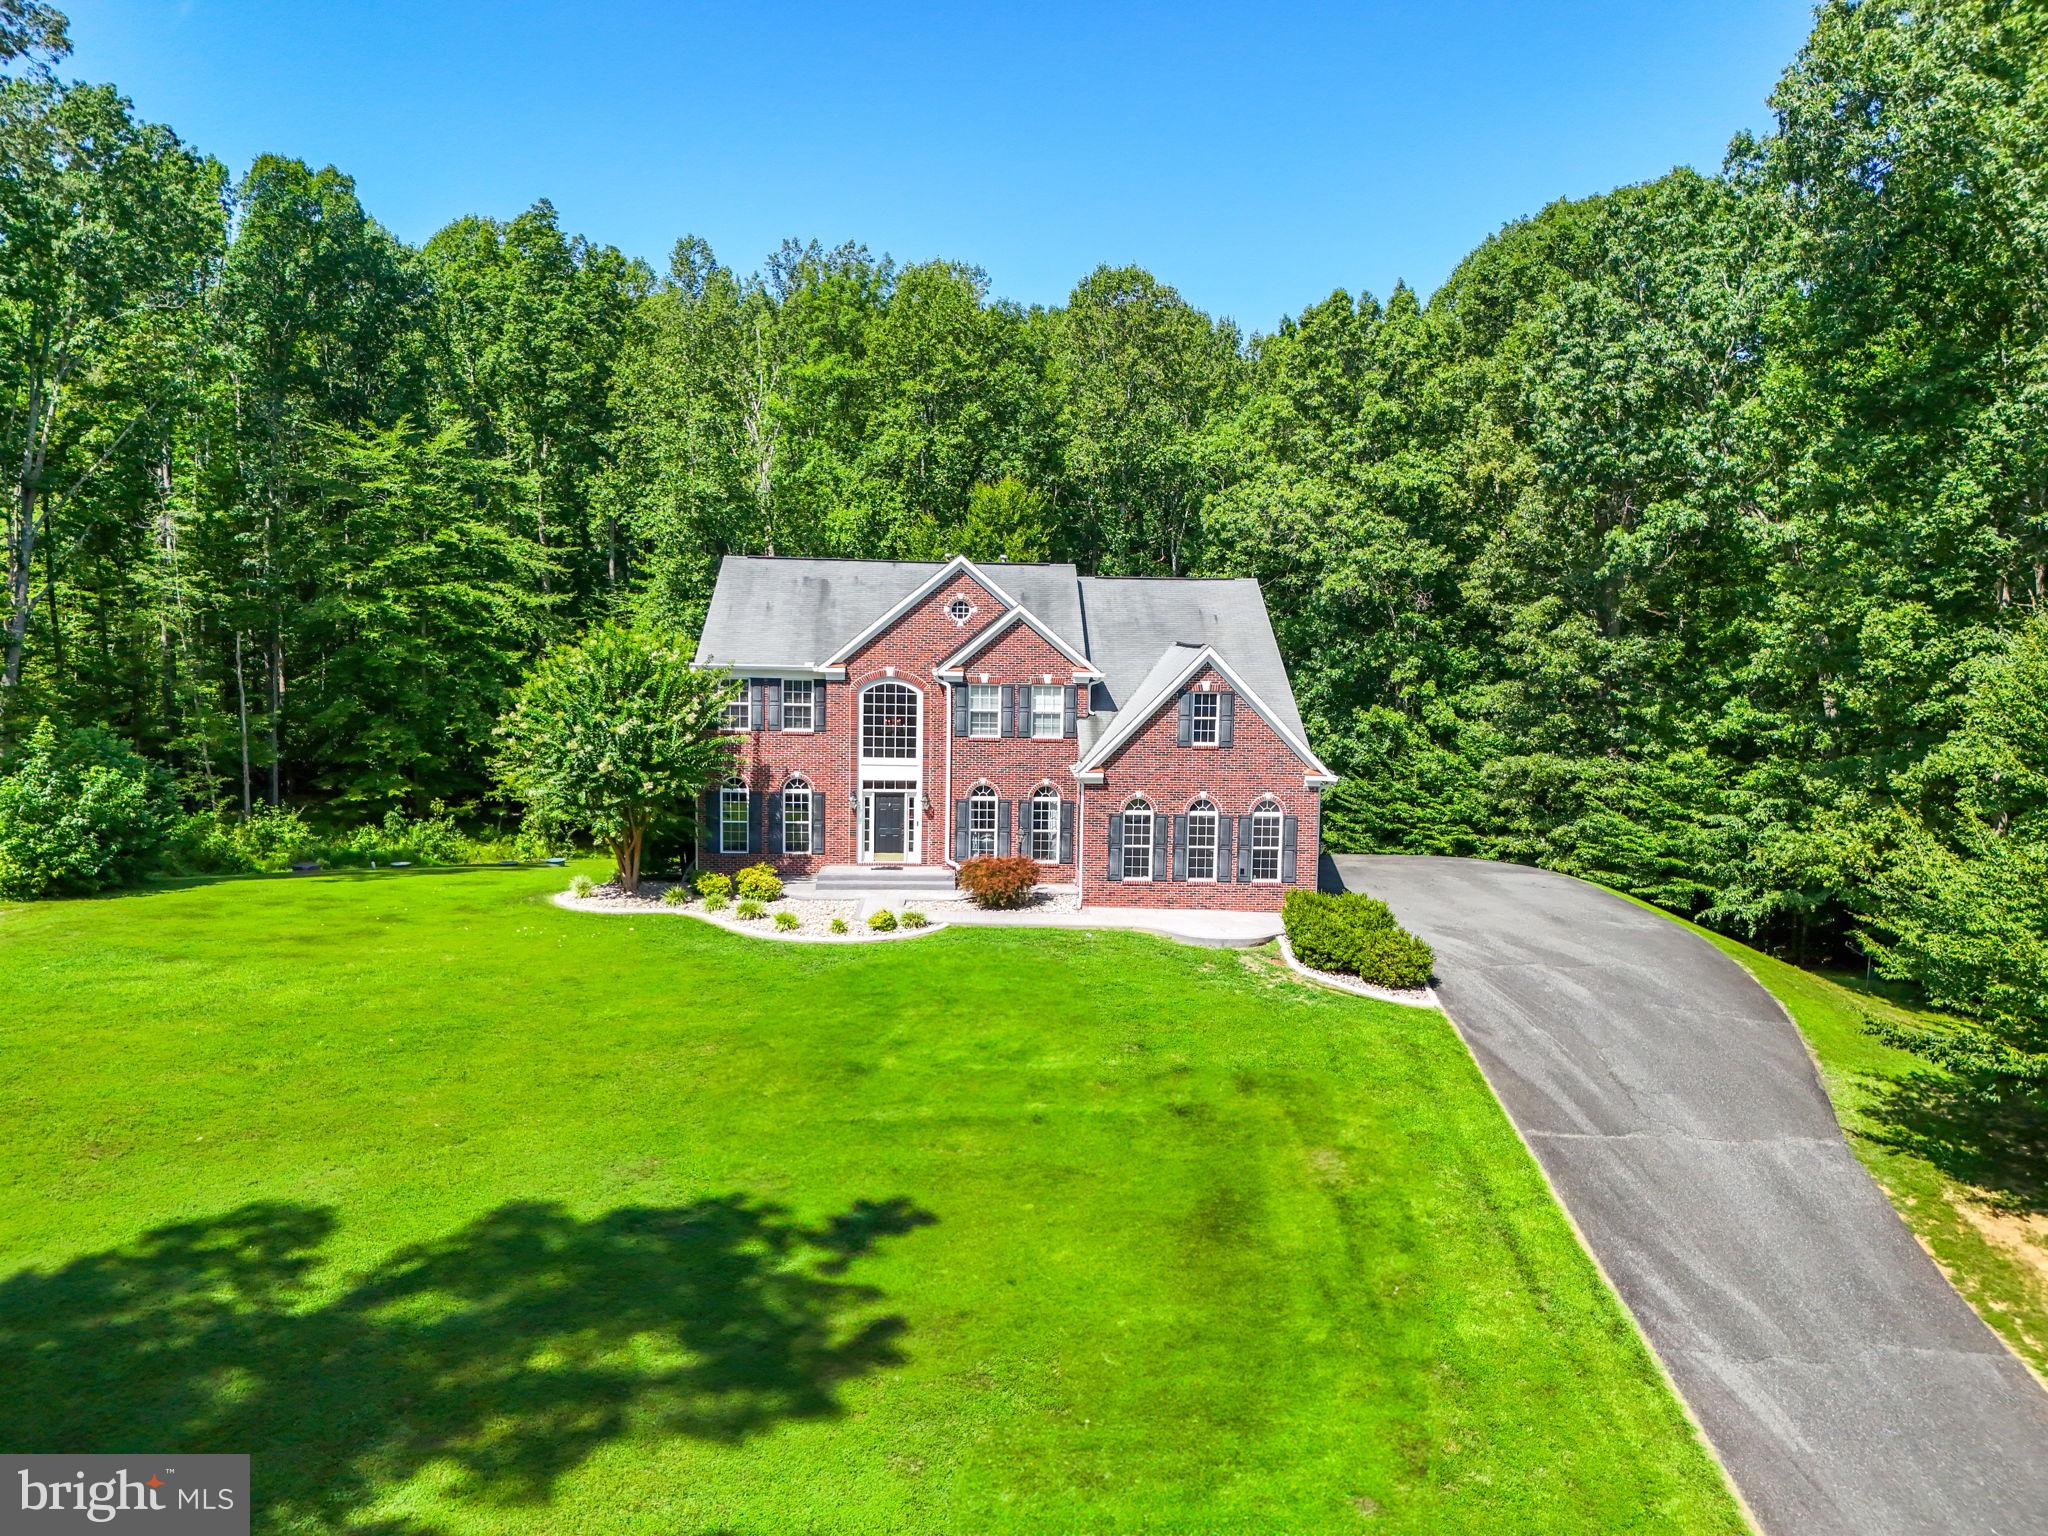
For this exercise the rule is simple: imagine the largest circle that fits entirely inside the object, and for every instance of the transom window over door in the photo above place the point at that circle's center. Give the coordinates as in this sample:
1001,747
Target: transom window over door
1204,720
1202,841
981,823
796,816
1045,824
984,709
888,721
1048,711
1137,841
797,714
1266,841
732,817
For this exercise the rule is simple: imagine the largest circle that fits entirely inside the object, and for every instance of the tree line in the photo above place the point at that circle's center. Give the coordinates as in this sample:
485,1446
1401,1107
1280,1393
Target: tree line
1692,537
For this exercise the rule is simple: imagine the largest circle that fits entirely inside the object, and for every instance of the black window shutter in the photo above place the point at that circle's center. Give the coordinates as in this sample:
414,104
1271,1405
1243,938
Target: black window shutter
773,695
1226,717
1003,828
1066,831
960,830
1180,847
1023,710
773,817
1184,721
1008,710
817,820
818,705
1244,847
960,710
755,706
1224,826
1289,826
1116,846
707,828
1073,696
753,823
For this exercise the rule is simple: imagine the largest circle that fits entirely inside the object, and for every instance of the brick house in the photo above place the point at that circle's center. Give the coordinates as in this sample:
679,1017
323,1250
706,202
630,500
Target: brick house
1135,736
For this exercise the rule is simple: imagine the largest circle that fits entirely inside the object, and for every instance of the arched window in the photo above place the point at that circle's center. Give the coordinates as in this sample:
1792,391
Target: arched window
1202,840
1045,824
732,817
1265,841
888,722
1137,816
796,817
981,823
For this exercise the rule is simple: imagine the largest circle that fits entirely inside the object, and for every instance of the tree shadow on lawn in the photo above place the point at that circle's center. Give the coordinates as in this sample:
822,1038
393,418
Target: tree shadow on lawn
507,1352
1994,1139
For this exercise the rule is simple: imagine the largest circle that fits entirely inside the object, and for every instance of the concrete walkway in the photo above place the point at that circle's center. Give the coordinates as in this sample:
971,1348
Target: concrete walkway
1846,1387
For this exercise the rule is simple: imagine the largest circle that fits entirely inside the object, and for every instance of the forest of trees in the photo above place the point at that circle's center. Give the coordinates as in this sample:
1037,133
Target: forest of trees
1692,537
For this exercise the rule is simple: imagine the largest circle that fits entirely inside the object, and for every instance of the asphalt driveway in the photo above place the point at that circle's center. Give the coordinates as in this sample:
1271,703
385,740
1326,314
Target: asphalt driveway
1844,1384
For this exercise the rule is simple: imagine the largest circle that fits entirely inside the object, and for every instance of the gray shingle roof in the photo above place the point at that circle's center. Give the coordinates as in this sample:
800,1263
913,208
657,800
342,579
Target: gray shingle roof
769,612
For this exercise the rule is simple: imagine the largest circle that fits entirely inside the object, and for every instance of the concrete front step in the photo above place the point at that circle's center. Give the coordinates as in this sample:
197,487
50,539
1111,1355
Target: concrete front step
918,879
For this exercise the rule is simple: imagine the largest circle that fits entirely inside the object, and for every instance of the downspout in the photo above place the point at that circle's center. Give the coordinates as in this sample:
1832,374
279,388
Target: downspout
1080,843
947,803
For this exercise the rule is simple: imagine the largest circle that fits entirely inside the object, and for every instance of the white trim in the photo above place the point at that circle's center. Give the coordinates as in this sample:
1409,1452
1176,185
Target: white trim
1130,721
945,573
954,664
751,669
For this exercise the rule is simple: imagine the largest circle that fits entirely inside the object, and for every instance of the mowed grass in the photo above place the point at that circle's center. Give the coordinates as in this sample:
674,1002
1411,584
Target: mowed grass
464,1213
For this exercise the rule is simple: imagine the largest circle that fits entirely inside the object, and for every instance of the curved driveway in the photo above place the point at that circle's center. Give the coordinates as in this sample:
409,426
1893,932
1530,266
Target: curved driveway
1844,1384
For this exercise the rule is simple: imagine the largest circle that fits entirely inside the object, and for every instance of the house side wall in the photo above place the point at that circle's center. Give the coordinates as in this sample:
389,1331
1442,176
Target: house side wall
1257,765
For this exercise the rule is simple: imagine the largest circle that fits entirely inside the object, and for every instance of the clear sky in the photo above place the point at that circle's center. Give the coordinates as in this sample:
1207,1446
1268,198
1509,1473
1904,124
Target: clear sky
1254,156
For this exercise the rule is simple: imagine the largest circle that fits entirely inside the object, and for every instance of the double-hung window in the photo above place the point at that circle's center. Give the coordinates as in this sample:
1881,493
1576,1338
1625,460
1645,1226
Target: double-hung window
739,712
1204,726
797,713
1266,841
981,823
796,816
732,817
1202,841
1048,711
1045,825
1137,841
984,709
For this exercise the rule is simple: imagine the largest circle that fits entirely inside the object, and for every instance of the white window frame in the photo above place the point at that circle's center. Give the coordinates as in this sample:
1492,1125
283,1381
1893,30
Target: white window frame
1041,697
1138,813
744,704
732,792
868,697
797,792
976,692
1204,813
1266,815
981,807
809,685
1210,718
1045,800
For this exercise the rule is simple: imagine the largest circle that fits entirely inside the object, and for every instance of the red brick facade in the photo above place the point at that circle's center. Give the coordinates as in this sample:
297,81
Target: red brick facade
1257,766
909,652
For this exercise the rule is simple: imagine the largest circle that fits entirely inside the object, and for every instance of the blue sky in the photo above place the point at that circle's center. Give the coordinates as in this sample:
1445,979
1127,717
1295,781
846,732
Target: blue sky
1255,157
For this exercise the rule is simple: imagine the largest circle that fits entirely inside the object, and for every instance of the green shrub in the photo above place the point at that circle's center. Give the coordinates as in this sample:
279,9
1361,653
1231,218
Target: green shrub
883,921
838,925
998,883
760,882
712,883
750,908
915,919
713,902
80,811
1393,957
1353,934
786,921
674,896
582,885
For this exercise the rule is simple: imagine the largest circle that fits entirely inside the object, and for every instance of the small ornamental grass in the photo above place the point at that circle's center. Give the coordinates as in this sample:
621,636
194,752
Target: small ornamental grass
760,882
715,903
1353,934
788,922
750,909
712,883
912,919
838,925
582,886
998,883
674,896
883,921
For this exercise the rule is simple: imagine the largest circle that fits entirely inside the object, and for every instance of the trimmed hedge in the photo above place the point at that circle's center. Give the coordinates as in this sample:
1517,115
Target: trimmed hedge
1355,935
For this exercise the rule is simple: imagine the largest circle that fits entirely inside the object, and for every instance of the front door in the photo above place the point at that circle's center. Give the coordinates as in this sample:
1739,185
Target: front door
889,842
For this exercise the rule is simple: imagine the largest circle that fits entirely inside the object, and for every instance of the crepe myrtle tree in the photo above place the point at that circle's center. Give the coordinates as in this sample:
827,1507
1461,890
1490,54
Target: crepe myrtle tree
607,735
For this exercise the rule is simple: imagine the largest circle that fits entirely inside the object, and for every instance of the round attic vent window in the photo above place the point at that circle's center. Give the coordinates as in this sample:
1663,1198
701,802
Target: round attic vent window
960,610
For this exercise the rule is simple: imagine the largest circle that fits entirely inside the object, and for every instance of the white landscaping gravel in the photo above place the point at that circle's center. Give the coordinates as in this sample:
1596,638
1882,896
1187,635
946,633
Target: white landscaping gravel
815,915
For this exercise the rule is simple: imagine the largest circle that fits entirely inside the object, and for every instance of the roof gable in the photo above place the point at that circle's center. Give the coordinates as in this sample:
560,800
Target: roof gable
1017,614
1163,683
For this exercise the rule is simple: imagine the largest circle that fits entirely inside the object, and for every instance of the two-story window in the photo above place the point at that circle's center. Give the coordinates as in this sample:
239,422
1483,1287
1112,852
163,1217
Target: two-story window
981,823
1266,841
799,711
1137,841
1204,720
732,817
1202,840
1045,824
1048,711
984,709
796,816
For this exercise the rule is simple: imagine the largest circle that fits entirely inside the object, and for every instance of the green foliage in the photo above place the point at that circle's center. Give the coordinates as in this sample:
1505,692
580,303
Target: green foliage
911,919
581,886
788,922
675,896
79,811
715,902
760,882
610,733
711,883
837,925
750,907
882,921
1353,934
998,883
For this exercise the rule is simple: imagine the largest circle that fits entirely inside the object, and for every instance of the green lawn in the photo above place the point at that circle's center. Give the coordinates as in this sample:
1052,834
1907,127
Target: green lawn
1971,1181
468,1214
